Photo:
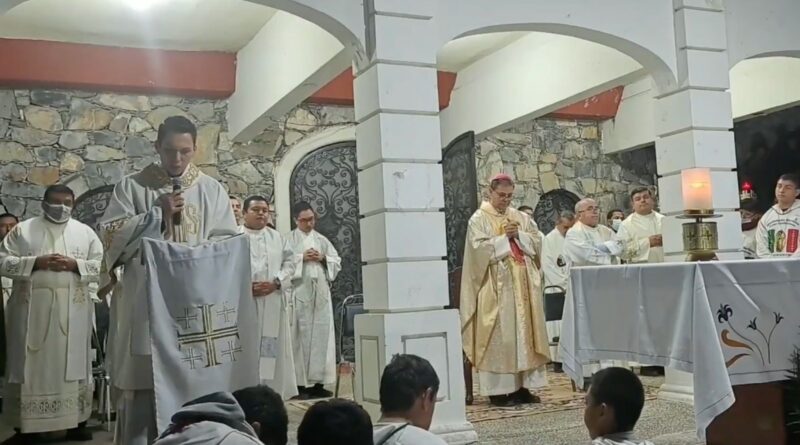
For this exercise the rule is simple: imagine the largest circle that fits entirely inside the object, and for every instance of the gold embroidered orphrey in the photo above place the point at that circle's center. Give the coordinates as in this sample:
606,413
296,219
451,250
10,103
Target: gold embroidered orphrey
206,340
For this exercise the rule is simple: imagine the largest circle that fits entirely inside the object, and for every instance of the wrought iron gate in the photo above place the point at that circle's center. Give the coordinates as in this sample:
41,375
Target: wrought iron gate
327,179
550,205
90,206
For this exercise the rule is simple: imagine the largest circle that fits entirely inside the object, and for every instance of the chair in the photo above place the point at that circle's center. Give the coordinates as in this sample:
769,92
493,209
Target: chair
350,307
102,381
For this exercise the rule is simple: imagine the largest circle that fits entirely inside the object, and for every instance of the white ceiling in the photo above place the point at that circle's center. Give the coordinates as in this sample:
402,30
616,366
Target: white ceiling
191,25
460,53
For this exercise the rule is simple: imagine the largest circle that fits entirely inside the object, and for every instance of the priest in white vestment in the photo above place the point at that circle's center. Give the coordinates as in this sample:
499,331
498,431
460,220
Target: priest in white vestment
7,222
502,313
556,277
589,243
51,260
272,266
173,200
640,232
317,265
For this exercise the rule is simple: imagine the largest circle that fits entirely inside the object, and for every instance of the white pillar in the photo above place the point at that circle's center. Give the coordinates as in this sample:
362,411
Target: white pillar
693,126
403,229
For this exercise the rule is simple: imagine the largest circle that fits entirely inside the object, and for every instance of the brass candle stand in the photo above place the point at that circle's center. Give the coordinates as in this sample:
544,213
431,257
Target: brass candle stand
700,240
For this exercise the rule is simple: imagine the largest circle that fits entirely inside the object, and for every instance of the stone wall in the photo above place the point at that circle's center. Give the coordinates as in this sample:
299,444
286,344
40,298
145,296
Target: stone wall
88,140
546,154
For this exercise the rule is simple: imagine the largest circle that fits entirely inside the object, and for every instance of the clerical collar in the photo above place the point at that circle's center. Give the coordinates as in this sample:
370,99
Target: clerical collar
254,231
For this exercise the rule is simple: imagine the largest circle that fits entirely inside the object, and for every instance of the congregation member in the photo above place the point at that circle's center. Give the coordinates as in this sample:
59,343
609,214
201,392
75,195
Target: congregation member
613,406
502,314
335,422
779,228
614,219
236,206
640,232
272,266
51,259
317,265
254,415
172,200
556,277
751,214
408,389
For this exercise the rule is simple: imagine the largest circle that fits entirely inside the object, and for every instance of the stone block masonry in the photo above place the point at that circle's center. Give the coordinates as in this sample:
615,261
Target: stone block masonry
88,140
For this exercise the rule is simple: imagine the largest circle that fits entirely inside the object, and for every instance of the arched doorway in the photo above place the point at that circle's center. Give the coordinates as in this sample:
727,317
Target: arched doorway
327,178
550,205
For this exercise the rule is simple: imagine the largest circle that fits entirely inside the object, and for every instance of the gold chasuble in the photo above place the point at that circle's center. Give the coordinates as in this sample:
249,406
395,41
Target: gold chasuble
502,313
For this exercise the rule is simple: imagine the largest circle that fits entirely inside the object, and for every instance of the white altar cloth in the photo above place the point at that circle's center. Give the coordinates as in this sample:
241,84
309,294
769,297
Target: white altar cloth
728,323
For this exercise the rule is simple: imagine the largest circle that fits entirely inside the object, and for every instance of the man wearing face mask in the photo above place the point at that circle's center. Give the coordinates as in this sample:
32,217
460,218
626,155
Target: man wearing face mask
640,233
172,200
52,259
614,219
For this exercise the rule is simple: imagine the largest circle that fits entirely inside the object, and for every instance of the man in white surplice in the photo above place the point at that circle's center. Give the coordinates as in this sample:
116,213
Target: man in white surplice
589,243
640,232
173,200
272,266
51,259
556,275
318,263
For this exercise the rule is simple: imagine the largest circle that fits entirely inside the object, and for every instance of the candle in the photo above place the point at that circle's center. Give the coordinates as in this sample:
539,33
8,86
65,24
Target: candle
696,185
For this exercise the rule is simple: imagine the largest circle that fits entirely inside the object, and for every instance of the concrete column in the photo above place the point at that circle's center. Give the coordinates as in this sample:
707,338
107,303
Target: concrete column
693,126
403,228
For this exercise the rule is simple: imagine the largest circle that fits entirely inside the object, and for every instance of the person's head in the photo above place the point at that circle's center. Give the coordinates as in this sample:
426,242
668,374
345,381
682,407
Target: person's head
566,219
58,202
526,209
614,218
588,212
264,411
304,216
256,212
236,206
787,190
614,402
335,422
642,200
7,222
501,191
176,144
408,390
751,213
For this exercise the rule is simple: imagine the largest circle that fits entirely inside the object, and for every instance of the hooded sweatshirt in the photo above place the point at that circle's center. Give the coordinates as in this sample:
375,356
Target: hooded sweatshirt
778,232
215,419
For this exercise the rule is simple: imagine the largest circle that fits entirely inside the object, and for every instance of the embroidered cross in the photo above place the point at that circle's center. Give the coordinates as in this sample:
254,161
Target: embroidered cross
191,356
225,312
233,348
209,336
186,318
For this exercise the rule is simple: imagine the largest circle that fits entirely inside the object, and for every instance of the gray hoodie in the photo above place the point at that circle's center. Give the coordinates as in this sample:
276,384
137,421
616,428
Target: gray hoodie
215,419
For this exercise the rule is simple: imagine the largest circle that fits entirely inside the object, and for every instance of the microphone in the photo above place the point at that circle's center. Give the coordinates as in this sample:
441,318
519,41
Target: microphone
176,188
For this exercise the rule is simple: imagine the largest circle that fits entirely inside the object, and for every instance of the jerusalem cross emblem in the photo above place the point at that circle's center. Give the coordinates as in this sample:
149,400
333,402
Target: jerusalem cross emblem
208,335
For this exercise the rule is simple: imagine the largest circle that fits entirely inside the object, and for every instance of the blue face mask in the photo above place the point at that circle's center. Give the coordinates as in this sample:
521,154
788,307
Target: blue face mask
56,213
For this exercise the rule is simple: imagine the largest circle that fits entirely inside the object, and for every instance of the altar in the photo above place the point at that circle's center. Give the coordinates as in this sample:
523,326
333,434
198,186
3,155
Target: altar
728,323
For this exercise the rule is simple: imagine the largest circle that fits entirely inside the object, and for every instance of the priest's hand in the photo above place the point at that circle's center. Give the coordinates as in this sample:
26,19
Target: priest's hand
656,241
312,255
263,288
170,203
512,230
65,264
45,262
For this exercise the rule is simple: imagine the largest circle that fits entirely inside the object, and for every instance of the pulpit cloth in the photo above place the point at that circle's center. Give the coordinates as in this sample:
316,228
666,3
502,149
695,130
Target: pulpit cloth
203,320
728,323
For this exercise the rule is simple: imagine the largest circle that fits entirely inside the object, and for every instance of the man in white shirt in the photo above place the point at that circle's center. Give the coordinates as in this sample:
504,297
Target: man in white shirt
408,398
272,266
613,406
640,232
556,278
587,242
779,229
